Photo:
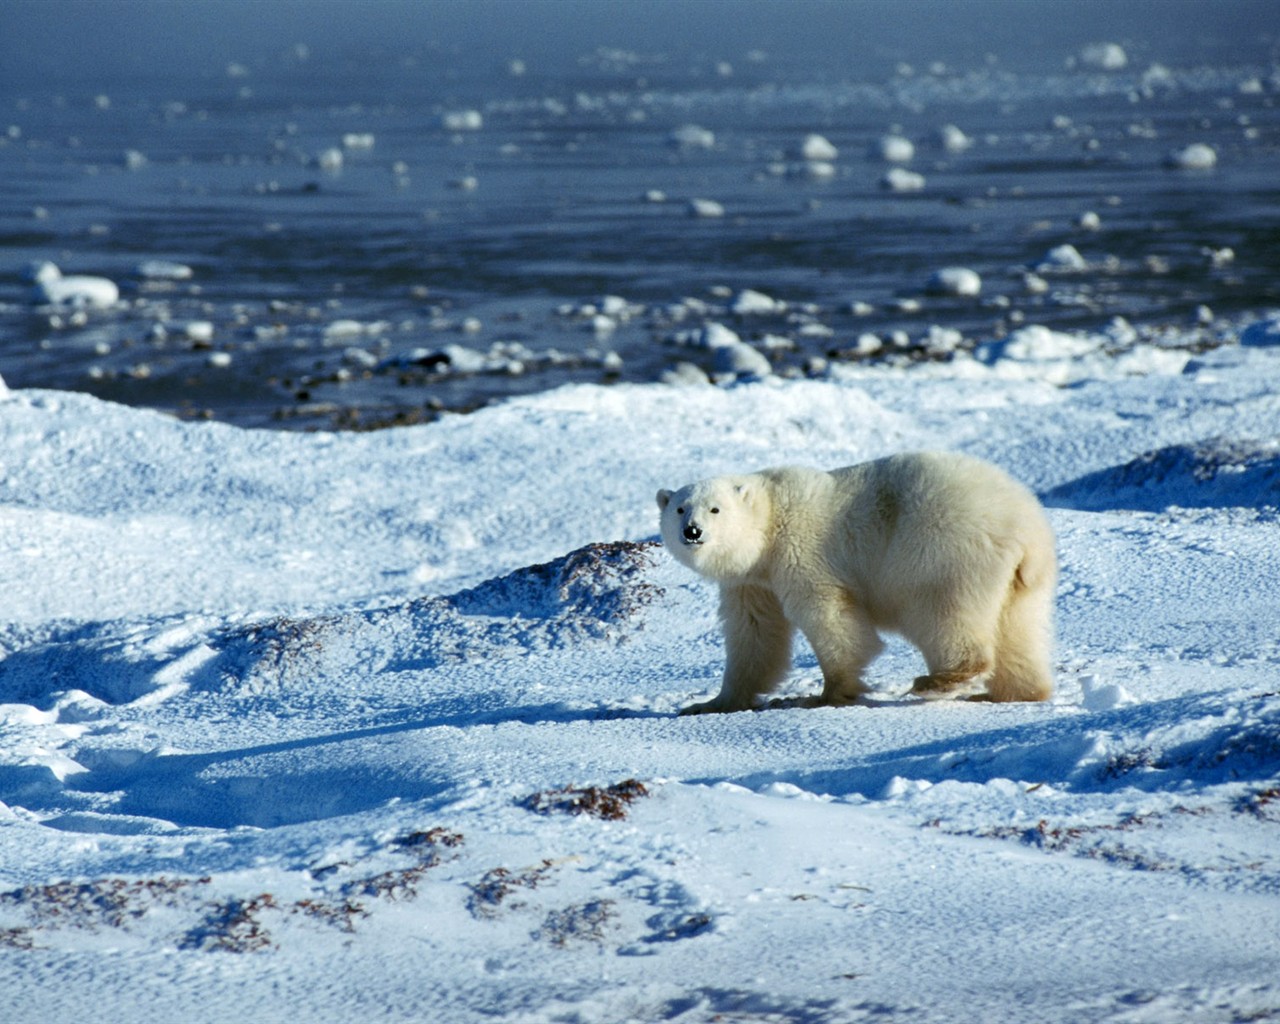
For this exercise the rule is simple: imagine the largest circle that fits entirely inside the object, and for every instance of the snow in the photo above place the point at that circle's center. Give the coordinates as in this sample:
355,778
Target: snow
290,723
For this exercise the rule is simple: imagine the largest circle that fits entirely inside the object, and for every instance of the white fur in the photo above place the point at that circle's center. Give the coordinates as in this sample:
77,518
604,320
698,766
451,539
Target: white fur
944,549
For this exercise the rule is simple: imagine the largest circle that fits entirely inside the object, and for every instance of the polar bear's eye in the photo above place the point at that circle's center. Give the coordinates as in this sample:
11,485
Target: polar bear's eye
680,511
715,511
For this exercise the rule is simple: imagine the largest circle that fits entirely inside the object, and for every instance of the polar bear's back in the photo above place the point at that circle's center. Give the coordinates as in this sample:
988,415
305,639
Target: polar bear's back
902,518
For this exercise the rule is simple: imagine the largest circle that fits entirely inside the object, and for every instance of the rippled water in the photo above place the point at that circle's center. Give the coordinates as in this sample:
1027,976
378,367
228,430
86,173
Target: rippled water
334,294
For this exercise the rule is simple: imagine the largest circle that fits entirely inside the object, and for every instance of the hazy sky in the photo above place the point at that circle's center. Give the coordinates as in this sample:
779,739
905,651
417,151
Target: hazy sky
78,39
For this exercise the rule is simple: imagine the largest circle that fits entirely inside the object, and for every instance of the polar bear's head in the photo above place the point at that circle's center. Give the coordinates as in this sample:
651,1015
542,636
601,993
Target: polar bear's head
716,527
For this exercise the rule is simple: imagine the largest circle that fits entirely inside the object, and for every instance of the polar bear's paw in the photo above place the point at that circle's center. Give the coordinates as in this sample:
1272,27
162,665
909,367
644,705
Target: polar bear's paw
715,706
949,687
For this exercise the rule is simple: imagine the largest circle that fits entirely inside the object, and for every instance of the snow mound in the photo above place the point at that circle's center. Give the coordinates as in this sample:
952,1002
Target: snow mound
594,593
1216,473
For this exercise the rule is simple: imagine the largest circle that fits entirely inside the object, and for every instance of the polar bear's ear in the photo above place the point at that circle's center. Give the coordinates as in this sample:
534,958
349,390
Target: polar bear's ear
747,491
664,499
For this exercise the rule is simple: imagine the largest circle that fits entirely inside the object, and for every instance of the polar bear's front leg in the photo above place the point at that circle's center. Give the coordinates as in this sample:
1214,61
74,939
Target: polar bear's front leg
757,641
841,635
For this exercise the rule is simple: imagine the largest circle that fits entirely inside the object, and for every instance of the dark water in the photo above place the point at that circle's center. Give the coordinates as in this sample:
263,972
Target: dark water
333,294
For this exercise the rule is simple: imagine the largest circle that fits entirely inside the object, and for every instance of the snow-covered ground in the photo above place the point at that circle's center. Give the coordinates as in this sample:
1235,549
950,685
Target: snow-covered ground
287,721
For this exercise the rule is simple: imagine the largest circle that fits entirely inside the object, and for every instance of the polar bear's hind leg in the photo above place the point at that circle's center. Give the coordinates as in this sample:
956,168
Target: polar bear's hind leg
1023,669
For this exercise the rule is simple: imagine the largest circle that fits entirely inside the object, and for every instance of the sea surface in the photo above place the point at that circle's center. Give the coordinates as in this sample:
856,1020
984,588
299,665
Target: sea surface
384,240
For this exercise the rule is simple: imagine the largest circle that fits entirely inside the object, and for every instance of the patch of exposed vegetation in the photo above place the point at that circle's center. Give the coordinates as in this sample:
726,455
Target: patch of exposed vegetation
585,922
609,803
492,893
101,903
589,591
1263,804
231,924
430,849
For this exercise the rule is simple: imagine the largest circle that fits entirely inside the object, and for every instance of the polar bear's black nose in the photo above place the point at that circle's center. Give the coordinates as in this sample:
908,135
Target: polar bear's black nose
693,532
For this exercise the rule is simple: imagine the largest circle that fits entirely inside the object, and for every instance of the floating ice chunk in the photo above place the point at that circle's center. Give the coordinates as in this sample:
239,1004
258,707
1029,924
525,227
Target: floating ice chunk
1038,344
748,302
358,140
134,160
218,360
940,340
814,170
952,139
1104,56
741,360
461,359
1063,257
330,159
1157,76
467,183
705,208
1262,334
684,374
340,330
655,195
899,179
1089,221
815,330
1198,156
615,306
817,147
692,136
462,121
164,270
954,281
200,331
78,291
360,358
896,149
716,335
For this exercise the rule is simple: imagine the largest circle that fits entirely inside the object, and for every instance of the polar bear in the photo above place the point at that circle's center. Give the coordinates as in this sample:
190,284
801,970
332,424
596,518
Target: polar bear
944,549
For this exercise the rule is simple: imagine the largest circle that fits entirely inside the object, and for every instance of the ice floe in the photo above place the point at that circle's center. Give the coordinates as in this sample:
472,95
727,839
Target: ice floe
73,291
